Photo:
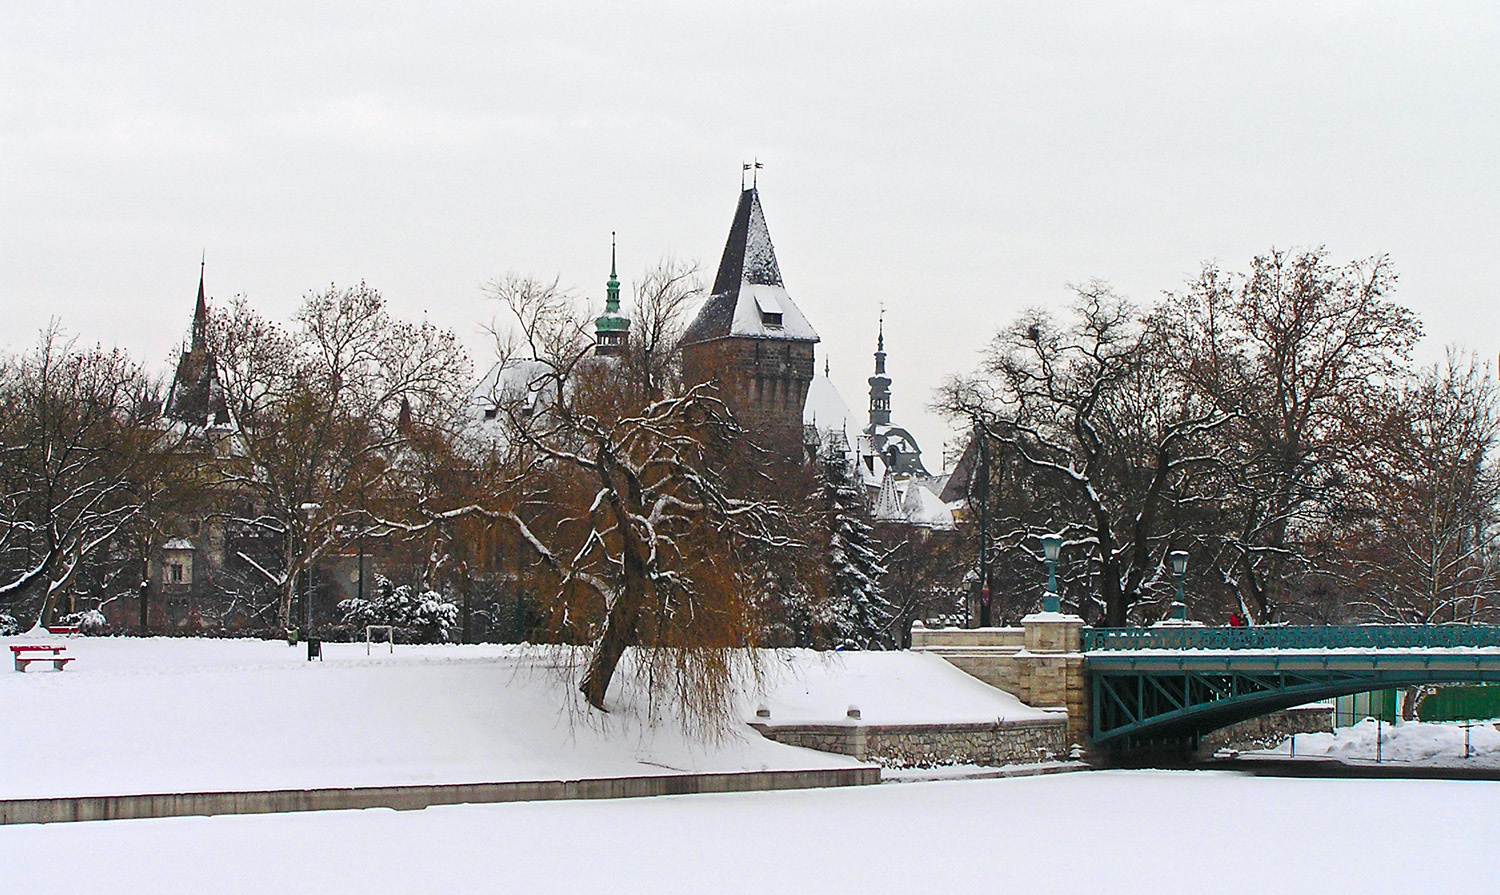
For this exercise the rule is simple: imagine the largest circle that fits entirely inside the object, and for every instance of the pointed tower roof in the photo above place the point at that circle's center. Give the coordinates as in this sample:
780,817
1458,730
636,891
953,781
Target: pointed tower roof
749,299
200,313
196,395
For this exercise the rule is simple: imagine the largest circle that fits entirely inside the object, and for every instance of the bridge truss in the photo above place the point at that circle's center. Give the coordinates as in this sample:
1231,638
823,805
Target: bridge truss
1171,686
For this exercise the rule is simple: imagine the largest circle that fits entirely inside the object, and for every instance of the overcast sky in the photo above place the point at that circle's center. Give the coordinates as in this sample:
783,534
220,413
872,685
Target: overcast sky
957,163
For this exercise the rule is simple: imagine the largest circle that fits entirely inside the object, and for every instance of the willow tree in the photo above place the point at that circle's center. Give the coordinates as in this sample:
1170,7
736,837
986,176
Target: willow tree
646,509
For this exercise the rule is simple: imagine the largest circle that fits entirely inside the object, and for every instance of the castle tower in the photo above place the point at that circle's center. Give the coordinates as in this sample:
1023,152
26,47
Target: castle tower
196,397
612,329
751,337
880,384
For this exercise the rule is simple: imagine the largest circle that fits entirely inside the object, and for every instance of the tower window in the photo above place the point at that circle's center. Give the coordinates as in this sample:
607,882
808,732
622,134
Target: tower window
770,310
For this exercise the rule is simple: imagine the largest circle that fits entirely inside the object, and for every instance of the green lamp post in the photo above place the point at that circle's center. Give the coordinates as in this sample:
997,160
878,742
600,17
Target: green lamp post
1051,547
1179,558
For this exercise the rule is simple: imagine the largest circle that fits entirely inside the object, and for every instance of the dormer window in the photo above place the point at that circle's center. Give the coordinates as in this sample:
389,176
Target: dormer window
770,310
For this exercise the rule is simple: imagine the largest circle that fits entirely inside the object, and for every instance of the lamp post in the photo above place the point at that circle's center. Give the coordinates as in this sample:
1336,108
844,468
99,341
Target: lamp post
313,648
1178,558
1051,547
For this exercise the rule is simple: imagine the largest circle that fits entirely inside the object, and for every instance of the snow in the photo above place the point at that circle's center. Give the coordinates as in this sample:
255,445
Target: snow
747,318
134,715
1119,832
1410,742
825,409
888,688
924,508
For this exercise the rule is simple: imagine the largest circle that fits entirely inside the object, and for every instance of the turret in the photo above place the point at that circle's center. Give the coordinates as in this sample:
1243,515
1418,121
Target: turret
612,329
880,384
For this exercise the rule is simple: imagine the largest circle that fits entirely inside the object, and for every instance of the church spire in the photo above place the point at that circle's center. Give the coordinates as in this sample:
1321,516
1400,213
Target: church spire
200,313
612,287
880,384
611,329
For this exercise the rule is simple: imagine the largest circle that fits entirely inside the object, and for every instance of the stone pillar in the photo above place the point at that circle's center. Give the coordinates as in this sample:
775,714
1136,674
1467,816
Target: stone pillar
1053,673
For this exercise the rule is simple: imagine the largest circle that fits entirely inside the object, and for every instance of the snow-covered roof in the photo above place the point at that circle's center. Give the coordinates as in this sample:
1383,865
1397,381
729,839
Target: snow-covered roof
923,507
749,299
178,544
913,502
825,408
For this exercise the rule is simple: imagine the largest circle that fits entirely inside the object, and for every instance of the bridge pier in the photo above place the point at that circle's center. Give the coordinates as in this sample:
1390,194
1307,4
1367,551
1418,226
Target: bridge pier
1040,663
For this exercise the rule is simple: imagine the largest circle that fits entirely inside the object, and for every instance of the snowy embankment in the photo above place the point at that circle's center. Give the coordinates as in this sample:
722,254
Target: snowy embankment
1112,831
1410,742
183,715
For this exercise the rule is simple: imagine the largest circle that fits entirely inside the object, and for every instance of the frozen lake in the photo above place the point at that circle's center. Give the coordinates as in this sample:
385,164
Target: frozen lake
1116,831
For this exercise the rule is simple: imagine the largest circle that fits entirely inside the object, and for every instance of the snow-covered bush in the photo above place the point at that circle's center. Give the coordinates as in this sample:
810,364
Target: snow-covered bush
8,625
428,617
89,621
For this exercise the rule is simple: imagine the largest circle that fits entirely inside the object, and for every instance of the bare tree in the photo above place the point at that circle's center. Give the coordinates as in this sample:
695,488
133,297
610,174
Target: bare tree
1289,348
1110,443
1423,547
319,410
80,456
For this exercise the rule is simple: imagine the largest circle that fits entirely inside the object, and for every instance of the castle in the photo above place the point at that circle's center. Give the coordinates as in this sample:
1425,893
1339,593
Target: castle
749,336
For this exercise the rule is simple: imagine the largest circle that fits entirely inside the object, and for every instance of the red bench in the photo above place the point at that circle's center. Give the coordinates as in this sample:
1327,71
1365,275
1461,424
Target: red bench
62,629
26,653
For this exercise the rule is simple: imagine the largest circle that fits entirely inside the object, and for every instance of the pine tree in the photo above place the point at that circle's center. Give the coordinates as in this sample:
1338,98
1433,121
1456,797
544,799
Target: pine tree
857,616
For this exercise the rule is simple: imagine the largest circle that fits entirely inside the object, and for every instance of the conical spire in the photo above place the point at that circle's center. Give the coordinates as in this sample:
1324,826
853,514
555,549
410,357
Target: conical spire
748,253
612,287
749,298
200,313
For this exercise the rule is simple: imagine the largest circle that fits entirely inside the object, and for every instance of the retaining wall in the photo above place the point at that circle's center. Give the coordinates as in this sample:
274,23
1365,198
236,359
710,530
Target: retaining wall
926,745
1269,730
411,798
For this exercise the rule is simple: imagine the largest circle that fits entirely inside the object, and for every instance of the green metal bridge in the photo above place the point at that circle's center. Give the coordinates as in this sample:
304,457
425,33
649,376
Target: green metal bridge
1168,686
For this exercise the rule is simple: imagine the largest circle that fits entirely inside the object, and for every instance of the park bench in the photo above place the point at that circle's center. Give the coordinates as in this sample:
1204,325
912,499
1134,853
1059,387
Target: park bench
26,653
62,629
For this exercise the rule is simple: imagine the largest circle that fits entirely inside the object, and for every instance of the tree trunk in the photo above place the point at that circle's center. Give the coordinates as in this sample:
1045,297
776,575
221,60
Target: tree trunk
619,633
619,626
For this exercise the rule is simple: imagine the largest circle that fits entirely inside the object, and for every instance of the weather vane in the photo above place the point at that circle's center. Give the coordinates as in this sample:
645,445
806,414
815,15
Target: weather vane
753,167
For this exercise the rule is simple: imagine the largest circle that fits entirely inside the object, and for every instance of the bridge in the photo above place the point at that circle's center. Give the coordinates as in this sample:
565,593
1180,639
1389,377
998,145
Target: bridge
1167,686
1172,685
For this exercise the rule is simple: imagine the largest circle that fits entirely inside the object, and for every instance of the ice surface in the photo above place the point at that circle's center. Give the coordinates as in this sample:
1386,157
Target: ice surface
1117,832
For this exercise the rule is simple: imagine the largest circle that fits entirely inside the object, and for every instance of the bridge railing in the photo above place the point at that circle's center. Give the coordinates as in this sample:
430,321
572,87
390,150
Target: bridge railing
1283,638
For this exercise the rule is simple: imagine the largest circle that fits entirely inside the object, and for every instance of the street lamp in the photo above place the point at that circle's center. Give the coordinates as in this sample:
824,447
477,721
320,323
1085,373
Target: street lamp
1051,547
1178,558
313,647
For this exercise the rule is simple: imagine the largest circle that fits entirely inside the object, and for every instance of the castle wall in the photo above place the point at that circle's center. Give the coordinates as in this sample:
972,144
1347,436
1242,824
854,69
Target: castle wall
764,382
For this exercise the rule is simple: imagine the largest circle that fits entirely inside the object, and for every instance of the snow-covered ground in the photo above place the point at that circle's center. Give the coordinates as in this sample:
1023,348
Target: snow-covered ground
888,688
1117,832
1410,742
181,715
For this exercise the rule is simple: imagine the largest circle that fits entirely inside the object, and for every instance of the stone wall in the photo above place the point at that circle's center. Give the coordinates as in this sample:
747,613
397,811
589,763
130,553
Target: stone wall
1040,663
927,745
764,382
415,798
1269,730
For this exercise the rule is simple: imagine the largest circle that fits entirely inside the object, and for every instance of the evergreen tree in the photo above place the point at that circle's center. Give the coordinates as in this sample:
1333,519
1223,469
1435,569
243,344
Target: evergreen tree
857,615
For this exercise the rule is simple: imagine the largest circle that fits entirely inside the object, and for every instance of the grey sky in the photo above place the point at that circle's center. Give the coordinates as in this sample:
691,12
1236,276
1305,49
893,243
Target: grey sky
955,162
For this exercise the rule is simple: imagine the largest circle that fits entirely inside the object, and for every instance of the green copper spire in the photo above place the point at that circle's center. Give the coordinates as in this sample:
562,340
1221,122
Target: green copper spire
612,329
612,296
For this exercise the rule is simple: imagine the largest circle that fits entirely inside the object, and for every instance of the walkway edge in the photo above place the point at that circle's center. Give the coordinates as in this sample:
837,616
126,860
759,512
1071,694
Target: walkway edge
65,809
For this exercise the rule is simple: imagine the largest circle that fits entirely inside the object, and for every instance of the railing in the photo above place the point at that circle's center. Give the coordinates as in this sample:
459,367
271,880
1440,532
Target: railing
1284,638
